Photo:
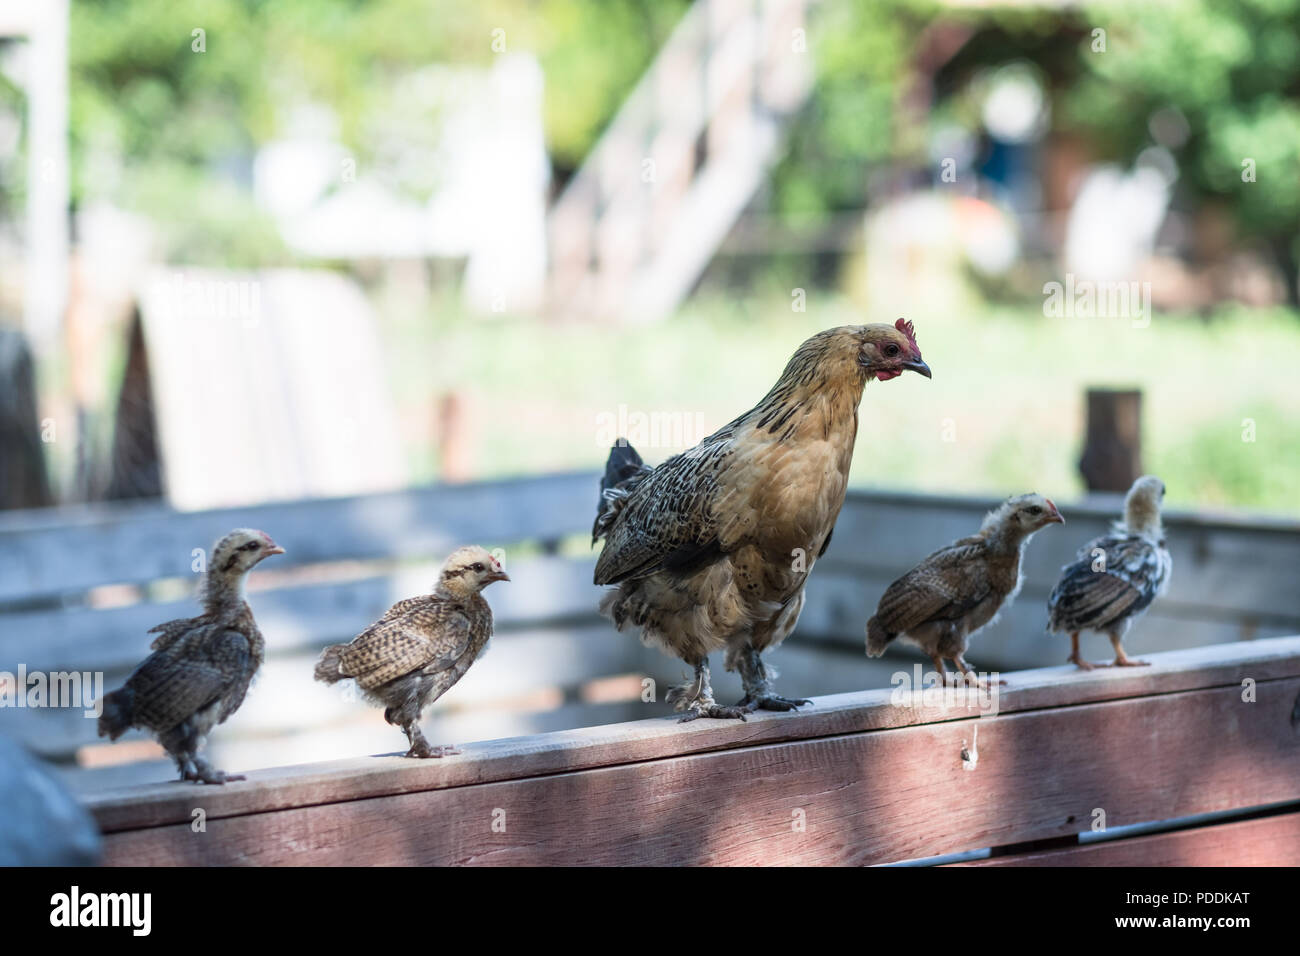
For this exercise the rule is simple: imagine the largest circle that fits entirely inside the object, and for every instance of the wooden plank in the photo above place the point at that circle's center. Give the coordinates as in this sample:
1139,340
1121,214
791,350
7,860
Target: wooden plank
64,550
1222,667
862,797
1265,841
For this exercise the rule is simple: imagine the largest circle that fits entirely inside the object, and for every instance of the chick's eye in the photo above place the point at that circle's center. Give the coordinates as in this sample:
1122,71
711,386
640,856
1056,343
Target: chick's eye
251,546
478,567
1035,510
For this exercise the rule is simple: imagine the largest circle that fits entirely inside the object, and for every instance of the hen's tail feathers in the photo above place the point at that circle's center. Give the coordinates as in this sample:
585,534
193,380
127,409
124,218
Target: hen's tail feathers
877,638
329,668
118,713
623,472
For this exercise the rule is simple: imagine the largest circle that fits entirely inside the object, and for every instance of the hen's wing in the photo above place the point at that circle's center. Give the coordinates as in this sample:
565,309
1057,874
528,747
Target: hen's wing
196,671
1134,572
944,586
670,518
416,634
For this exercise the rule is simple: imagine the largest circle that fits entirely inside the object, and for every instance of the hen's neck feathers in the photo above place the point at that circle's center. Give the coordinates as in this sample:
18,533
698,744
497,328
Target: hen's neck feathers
811,397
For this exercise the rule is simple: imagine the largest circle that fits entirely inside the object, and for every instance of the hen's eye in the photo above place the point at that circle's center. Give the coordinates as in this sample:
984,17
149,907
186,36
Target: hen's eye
891,350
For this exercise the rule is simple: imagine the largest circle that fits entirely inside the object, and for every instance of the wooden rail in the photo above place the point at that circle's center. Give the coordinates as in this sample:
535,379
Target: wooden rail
857,779
349,558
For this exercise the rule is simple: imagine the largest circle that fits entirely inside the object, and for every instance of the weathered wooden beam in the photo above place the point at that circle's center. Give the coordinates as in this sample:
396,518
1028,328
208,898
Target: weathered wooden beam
875,781
65,550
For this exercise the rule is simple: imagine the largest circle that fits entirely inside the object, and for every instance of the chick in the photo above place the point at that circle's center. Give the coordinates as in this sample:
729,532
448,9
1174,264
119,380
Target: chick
200,667
421,646
1115,577
959,589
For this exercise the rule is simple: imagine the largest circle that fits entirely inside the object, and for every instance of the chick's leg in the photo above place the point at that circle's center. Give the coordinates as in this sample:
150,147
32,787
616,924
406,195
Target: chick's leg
183,742
757,679
1122,659
421,747
1075,657
969,673
695,698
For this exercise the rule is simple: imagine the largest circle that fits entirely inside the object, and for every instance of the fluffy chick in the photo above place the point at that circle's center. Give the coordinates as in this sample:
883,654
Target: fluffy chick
710,550
200,667
1114,578
959,589
421,646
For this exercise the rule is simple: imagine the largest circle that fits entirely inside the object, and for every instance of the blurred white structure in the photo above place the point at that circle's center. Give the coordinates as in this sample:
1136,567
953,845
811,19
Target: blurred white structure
489,174
41,70
1112,227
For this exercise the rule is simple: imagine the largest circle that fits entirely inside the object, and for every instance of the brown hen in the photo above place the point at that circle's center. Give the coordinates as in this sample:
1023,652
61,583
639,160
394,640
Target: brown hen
710,550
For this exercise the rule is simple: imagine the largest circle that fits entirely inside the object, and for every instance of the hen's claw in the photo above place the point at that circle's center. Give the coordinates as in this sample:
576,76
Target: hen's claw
772,702
697,710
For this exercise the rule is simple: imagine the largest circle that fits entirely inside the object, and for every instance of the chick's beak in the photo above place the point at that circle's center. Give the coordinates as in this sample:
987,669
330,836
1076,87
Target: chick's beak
1054,515
916,365
274,549
498,576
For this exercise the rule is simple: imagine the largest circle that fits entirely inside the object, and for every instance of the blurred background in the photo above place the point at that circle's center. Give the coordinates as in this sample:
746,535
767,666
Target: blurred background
283,252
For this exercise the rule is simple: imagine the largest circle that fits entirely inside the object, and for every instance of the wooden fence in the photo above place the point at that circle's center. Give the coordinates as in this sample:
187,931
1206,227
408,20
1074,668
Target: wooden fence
80,587
858,779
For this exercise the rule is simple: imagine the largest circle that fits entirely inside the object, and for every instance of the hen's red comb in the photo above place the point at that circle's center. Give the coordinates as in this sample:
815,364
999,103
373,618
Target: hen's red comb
904,326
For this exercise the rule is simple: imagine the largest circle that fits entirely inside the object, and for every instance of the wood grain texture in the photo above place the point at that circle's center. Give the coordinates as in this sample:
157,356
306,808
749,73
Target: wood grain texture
1170,740
1267,841
865,797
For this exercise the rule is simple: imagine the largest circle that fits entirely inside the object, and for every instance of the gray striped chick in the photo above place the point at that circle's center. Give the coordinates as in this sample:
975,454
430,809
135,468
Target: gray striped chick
1115,577
421,646
200,667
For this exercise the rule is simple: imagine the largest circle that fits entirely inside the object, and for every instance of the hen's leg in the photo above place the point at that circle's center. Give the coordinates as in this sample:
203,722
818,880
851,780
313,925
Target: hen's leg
1122,659
695,698
757,680
1075,657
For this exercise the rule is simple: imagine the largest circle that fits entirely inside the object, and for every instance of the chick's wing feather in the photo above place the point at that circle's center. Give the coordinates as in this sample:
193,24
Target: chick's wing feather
424,634
1096,593
944,586
196,671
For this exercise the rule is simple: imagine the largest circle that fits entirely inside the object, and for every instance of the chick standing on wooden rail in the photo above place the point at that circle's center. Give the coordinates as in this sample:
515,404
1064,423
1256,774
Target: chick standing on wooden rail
1115,577
710,551
421,646
201,666
959,589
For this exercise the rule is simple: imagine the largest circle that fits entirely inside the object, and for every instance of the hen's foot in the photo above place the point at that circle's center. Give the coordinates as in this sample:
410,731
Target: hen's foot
422,749
705,708
205,774
749,703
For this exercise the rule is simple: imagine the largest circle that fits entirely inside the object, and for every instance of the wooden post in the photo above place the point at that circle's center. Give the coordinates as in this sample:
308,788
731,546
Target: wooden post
23,479
1112,450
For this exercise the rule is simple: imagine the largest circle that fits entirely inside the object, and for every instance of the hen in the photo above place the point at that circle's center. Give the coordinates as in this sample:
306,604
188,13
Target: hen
421,646
200,667
959,589
710,551
1115,577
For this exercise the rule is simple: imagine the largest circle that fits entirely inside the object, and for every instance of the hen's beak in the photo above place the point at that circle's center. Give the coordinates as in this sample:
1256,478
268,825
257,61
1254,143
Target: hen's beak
918,366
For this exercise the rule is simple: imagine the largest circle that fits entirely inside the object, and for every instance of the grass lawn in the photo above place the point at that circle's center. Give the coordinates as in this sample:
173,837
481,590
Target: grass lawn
1002,415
